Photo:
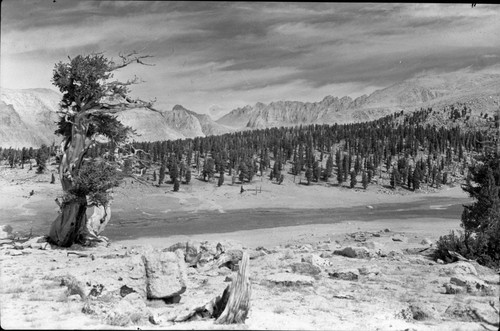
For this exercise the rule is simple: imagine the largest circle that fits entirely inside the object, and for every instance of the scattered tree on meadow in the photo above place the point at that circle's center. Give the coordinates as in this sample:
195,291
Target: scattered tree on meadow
208,169
369,175
410,178
243,172
161,176
364,180
445,178
309,175
188,176
42,155
174,171
221,179
416,178
438,180
89,102
395,178
329,168
354,181
176,184
24,157
316,171
13,158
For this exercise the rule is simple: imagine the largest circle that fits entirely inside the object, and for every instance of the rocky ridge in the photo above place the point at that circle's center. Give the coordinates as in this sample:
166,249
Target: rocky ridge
478,90
28,119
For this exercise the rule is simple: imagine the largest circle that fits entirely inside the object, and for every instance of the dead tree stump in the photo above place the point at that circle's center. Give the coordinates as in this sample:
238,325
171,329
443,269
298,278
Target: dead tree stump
238,304
232,306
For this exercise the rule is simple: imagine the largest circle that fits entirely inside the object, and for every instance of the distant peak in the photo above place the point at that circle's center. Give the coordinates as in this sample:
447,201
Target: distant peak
328,98
178,107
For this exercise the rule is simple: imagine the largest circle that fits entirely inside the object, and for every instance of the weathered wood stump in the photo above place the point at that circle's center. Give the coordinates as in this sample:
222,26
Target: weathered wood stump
232,306
238,304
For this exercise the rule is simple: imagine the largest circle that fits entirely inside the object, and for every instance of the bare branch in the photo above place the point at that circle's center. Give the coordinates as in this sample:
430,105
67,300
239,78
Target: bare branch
130,58
116,106
109,86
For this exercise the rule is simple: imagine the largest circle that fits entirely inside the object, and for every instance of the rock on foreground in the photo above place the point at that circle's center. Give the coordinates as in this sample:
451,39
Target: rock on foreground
306,285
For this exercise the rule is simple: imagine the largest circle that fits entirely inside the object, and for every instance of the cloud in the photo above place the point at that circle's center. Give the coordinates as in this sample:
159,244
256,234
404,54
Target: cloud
224,54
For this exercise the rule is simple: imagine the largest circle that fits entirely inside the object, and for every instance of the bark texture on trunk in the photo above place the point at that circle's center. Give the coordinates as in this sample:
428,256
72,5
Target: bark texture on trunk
70,222
66,228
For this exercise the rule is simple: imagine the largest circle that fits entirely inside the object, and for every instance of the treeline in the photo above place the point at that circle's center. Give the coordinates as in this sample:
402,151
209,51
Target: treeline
400,145
398,150
19,157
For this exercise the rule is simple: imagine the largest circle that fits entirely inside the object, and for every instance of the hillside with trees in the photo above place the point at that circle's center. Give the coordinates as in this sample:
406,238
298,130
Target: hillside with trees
400,150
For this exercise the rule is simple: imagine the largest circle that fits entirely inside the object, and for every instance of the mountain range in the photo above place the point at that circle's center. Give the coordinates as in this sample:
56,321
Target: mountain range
479,90
27,117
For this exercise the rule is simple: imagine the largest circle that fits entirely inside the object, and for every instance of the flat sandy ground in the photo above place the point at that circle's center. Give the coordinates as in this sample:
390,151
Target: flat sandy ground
139,201
32,298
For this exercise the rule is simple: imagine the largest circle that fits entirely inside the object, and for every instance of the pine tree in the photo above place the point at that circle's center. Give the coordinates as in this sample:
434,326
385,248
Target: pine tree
176,184
174,171
188,175
370,175
161,177
439,179
208,169
445,178
346,167
481,219
357,165
340,174
416,178
434,173
42,155
410,178
364,180
329,168
221,179
243,172
309,175
316,171
24,155
251,169
353,179
395,178
13,158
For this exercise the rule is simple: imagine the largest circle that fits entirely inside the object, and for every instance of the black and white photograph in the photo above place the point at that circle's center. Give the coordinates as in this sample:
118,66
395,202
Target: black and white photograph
238,165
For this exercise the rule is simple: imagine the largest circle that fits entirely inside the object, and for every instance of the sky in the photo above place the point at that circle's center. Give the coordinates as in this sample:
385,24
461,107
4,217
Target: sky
212,57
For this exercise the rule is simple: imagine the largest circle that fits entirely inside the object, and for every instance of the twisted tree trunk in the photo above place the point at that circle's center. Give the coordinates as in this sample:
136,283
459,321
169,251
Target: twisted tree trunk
65,230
